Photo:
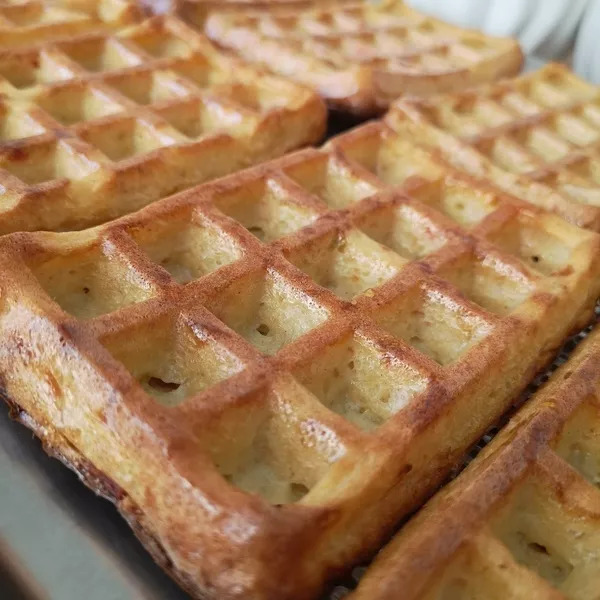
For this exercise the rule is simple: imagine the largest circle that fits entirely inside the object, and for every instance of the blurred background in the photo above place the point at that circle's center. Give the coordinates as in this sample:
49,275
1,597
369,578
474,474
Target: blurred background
564,30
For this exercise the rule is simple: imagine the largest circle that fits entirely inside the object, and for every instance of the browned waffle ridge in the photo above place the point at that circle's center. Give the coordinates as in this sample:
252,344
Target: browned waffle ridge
523,521
101,124
198,8
536,136
359,56
268,371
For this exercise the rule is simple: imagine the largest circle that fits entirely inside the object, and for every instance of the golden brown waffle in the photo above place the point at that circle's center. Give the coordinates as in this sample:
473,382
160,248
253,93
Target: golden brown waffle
206,5
543,127
270,4
27,22
159,7
359,56
99,125
266,372
523,520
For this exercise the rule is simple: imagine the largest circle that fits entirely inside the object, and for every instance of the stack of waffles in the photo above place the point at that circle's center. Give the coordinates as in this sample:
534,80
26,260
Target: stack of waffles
358,55
267,372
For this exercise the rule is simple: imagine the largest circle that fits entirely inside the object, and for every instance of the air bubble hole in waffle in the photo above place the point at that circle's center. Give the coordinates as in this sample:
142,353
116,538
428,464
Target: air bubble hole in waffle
288,360
98,125
536,137
359,56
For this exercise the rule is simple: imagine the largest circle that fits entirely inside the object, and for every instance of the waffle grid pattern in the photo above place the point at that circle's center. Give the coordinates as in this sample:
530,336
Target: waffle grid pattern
23,22
100,125
522,520
306,331
543,127
345,586
358,56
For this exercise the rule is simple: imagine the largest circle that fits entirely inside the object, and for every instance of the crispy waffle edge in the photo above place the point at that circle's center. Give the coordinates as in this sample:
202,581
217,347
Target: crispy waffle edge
57,447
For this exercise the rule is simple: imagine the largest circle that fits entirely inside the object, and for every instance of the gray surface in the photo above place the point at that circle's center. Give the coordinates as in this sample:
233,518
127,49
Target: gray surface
532,63
74,543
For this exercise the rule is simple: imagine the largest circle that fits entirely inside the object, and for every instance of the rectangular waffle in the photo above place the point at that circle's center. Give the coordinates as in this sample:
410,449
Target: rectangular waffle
523,520
541,128
98,125
359,56
266,372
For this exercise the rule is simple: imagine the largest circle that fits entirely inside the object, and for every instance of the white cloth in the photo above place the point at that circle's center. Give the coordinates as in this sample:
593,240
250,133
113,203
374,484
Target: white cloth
549,29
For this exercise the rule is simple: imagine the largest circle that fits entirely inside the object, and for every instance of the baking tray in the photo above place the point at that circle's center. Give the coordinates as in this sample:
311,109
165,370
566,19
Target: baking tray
59,541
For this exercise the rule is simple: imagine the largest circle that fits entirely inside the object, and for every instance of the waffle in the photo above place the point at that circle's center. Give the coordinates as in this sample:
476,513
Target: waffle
358,56
98,125
34,21
266,372
541,128
159,7
522,520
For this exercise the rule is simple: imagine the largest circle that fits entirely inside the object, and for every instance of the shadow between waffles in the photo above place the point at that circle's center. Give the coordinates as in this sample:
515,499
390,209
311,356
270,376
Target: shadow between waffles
339,122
